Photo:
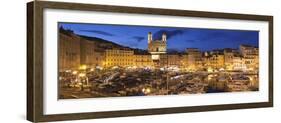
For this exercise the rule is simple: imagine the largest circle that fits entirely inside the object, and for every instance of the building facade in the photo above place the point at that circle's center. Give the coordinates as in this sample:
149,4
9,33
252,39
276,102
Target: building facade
228,58
214,60
119,57
174,60
91,55
250,56
87,50
143,60
238,63
69,51
194,59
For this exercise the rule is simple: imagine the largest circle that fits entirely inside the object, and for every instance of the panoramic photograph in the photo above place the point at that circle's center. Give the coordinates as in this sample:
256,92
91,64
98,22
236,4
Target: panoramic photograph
106,60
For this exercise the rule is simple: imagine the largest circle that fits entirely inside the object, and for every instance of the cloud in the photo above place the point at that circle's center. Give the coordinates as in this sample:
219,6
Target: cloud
138,38
98,32
170,34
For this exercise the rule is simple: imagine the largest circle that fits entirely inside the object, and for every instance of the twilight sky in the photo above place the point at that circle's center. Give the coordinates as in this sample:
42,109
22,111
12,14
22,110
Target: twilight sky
178,38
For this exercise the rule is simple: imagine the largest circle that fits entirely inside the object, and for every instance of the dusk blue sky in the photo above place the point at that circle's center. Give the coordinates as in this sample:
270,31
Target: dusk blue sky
178,38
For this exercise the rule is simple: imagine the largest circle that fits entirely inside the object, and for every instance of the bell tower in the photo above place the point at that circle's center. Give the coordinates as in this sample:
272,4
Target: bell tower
149,37
164,37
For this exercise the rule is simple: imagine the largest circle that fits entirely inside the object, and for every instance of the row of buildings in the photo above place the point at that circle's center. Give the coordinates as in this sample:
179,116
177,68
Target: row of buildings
75,50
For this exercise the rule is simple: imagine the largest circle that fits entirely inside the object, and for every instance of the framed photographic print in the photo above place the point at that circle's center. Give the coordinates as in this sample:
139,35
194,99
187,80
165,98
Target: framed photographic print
96,61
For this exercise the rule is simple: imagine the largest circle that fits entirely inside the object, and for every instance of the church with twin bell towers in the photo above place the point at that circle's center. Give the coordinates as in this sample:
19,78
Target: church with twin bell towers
157,47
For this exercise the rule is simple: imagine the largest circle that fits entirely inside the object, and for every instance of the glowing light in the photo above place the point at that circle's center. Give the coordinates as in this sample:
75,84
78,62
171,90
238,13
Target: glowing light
115,67
210,77
83,67
68,71
251,69
74,72
148,90
210,69
155,57
251,79
143,90
99,67
82,75
221,69
92,69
